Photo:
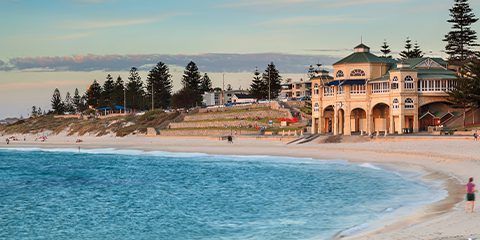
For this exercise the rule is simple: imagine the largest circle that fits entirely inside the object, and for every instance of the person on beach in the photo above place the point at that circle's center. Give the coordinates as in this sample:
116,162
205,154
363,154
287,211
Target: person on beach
475,136
7,140
470,206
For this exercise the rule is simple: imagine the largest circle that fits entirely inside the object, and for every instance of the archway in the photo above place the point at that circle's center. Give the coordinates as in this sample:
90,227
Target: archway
358,120
328,115
381,117
436,114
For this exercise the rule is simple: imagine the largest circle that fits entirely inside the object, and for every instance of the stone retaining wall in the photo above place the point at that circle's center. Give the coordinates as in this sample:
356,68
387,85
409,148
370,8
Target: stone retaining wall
205,132
208,124
255,113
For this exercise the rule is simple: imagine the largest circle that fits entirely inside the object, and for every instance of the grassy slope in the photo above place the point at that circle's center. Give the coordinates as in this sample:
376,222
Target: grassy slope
121,125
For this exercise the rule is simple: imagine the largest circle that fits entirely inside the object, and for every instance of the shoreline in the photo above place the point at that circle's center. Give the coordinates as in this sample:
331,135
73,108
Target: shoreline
431,166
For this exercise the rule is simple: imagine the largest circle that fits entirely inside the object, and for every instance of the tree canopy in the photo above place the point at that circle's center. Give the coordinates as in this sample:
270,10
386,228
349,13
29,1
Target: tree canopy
461,40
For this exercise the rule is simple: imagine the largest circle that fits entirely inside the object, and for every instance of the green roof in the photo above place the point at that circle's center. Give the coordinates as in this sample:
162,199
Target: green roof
364,57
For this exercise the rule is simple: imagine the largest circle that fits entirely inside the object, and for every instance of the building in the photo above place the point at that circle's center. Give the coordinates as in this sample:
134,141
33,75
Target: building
299,89
213,98
219,97
241,98
228,95
369,94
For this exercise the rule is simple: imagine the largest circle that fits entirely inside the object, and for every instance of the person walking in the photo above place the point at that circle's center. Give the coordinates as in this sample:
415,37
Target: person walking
470,206
475,136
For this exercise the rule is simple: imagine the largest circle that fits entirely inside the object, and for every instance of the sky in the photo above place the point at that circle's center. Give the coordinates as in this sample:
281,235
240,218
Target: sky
68,43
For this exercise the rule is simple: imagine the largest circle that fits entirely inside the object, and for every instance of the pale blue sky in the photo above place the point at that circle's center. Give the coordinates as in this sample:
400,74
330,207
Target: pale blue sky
68,27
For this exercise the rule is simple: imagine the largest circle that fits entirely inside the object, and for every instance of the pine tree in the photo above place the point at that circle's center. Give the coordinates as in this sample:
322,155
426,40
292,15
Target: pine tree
206,84
191,80
466,92
183,98
135,91
272,77
94,94
77,101
34,111
69,105
118,91
161,79
258,88
311,72
407,53
461,40
57,104
107,91
416,52
386,50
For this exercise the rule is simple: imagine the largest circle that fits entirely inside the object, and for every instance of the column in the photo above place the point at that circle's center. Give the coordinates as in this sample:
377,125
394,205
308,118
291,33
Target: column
335,121
314,125
402,123
392,124
321,123
347,128
370,122
416,127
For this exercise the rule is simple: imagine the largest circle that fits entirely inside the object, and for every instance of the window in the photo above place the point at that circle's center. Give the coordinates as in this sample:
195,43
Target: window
341,90
409,103
357,89
340,74
395,83
396,104
315,89
316,107
357,73
409,82
380,87
328,91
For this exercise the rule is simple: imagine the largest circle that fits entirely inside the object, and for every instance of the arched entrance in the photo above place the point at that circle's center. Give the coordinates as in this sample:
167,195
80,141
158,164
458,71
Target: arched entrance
435,114
341,121
358,121
328,115
381,116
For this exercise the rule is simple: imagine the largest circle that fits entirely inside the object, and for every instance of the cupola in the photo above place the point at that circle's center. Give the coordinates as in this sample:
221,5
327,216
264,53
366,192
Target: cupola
362,48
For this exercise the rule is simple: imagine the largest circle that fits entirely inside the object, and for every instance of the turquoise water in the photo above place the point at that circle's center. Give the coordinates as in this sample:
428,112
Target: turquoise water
110,194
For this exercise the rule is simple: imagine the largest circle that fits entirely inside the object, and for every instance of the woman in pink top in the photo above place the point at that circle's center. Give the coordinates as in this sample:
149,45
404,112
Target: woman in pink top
470,195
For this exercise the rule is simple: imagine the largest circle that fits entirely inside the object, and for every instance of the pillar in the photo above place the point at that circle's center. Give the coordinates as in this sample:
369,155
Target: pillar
392,124
347,128
416,126
314,126
321,124
370,123
335,122
402,123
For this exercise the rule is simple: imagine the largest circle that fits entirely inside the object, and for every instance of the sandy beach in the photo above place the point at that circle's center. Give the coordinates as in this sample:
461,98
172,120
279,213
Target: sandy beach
451,160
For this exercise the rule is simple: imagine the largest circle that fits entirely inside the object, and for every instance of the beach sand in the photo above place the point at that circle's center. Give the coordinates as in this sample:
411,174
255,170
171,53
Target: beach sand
452,160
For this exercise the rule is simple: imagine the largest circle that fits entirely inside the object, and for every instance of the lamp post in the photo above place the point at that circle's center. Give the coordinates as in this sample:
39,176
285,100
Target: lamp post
152,97
125,99
269,84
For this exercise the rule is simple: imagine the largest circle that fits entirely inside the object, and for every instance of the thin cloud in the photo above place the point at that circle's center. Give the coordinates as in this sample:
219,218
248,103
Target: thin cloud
254,3
210,62
311,20
100,24
324,3
73,36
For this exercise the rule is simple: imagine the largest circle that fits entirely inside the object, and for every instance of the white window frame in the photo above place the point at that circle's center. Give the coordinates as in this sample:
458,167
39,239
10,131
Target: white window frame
409,103
409,82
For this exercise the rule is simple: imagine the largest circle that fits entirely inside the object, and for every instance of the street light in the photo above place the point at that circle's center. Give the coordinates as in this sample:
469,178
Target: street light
124,99
269,91
152,97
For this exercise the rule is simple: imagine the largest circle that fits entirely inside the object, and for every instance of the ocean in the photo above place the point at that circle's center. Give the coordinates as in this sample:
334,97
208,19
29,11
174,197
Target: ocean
130,194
